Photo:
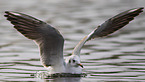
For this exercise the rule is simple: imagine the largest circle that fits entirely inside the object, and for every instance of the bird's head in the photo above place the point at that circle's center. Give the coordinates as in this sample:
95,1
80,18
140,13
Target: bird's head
74,61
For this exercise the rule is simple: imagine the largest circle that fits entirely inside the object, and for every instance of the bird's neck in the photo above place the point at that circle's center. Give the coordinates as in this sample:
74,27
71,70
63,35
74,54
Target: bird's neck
73,70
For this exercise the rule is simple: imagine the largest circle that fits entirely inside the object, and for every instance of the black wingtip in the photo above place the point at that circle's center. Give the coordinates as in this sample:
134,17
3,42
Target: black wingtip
6,11
141,7
11,13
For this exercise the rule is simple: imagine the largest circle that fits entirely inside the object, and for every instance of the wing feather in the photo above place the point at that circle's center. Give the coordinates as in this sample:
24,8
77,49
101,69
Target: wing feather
48,38
115,23
111,25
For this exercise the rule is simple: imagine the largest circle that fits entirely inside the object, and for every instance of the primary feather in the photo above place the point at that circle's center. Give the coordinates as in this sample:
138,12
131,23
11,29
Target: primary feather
111,25
50,41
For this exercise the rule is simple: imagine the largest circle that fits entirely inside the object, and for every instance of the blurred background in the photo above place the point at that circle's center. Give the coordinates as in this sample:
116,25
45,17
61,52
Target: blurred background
118,57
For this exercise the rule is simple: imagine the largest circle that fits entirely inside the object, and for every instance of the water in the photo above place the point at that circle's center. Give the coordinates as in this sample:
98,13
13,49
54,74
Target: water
118,57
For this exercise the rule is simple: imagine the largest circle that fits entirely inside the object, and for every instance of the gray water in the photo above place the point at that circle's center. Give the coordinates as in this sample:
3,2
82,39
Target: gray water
118,57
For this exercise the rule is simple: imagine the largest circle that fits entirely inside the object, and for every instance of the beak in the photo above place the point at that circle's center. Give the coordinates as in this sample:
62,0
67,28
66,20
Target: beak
80,65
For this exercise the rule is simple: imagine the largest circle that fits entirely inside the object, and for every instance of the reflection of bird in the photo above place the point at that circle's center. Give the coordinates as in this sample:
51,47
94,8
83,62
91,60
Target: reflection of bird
51,42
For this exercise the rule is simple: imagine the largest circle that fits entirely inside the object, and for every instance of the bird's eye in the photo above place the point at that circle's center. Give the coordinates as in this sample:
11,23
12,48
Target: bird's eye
74,61
69,61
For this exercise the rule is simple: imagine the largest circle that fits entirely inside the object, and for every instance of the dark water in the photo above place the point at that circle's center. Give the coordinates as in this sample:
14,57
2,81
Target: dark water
118,57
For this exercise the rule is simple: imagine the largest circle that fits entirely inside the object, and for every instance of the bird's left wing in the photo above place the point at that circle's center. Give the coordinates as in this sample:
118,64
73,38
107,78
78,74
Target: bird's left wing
48,38
111,25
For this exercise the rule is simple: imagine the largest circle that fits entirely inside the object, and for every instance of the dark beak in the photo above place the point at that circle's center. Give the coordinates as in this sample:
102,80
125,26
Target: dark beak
81,65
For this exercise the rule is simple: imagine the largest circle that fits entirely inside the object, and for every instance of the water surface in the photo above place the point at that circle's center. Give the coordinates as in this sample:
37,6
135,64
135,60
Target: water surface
118,57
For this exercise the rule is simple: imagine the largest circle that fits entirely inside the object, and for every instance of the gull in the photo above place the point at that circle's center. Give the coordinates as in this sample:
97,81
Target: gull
51,42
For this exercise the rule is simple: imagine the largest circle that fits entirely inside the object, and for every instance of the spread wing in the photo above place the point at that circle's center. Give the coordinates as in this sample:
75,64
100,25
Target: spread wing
111,25
50,41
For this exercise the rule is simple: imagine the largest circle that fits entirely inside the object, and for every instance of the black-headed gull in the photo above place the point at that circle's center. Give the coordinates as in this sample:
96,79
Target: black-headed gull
51,42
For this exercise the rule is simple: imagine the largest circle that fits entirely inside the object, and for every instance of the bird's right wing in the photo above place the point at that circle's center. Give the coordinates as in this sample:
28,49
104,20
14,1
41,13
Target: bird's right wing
111,25
48,38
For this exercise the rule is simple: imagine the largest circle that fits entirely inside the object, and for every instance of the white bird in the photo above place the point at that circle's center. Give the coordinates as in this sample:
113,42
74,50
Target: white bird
51,42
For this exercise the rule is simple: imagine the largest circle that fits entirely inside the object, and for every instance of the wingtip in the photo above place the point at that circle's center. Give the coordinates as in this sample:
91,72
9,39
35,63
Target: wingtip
136,11
140,10
141,7
11,13
8,12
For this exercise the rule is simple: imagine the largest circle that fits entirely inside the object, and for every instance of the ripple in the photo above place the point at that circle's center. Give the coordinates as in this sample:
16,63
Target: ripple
118,57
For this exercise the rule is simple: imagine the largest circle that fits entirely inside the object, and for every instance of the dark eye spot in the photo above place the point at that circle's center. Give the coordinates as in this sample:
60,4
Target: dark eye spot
74,61
69,61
